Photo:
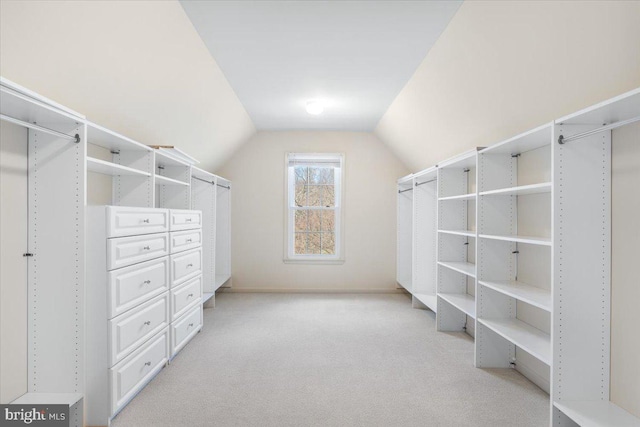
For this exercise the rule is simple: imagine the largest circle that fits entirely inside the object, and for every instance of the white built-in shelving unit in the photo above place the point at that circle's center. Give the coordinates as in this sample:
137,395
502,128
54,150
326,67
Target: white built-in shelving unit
172,181
404,253
203,197
456,243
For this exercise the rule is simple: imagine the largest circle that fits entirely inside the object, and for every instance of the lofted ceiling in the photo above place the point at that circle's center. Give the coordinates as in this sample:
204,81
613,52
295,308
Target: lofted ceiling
354,57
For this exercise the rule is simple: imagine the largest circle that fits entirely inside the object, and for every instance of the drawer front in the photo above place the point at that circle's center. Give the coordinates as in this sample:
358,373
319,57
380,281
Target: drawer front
124,221
185,296
133,373
129,330
185,220
133,285
185,266
185,240
185,328
124,251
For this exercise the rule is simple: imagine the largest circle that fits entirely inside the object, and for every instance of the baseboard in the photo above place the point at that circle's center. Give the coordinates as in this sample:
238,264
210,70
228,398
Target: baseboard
533,376
236,289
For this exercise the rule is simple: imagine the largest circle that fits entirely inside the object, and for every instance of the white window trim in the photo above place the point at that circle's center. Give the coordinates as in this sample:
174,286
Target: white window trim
289,256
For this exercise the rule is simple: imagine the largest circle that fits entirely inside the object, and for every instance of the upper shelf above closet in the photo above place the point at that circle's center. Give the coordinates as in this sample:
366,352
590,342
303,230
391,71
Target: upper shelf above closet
126,156
613,111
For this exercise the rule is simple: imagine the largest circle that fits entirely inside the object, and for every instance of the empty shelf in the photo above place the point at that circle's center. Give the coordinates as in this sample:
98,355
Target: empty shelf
459,197
207,296
535,296
460,266
221,279
69,399
97,135
522,190
459,232
545,241
525,336
463,302
109,168
596,413
163,180
429,300
527,141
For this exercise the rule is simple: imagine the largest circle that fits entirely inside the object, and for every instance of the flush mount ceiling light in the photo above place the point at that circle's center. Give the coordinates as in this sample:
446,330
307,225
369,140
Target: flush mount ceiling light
314,107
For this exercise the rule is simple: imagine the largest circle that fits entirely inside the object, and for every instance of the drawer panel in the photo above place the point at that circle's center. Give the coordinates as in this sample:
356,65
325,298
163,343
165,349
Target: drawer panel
129,330
133,373
185,328
185,265
125,221
185,219
185,240
124,251
185,296
133,285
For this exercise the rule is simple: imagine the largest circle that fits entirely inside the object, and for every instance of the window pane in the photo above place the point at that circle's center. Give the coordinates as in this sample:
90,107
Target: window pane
328,220
314,195
300,243
315,220
300,196
315,175
326,176
313,246
301,220
328,243
300,173
328,195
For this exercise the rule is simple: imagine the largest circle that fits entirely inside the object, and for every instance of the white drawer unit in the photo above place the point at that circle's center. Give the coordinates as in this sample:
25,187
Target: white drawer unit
185,219
133,285
184,240
185,265
185,328
129,330
128,377
125,221
185,296
124,251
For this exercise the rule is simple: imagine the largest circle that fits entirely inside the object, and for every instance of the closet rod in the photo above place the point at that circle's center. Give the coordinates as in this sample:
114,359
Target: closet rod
426,182
75,138
203,180
563,140
224,186
402,191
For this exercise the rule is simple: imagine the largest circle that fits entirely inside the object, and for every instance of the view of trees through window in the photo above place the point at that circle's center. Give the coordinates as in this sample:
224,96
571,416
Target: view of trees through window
315,213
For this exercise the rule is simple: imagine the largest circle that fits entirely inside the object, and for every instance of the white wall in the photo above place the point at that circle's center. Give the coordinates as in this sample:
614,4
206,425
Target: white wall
501,68
13,266
257,172
137,67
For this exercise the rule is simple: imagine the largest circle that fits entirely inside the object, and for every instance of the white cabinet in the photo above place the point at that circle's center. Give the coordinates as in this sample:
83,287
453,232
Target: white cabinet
185,219
185,296
125,251
185,240
128,221
185,328
185,265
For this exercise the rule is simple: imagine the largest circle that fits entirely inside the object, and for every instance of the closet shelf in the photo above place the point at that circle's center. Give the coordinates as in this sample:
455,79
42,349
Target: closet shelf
108,168
544,241
429,300
458,197
221,279
523,335
597,413
69,399
163,180
163,159
463,302
522,190
202,174
527,141
102,137
468,233
460,266
533,295
207,296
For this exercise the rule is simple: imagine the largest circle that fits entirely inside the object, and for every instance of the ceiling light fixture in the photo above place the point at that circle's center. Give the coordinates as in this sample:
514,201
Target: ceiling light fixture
314,107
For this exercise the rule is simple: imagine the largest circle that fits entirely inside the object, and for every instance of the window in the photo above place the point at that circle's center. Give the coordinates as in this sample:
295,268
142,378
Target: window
314,184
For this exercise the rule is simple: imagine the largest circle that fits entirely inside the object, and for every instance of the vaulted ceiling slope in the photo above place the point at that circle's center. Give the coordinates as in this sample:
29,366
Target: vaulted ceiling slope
353,56
501,68
137,67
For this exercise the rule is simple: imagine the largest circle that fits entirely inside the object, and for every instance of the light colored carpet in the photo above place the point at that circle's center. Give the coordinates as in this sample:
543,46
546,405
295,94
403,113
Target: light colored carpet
330,360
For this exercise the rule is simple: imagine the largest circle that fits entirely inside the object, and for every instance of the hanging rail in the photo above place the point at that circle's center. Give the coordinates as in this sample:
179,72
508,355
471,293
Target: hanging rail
75,138
203,180
425,182
402,191
563,140
224,186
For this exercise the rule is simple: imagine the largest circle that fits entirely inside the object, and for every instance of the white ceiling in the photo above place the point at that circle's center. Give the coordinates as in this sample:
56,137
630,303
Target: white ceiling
354,56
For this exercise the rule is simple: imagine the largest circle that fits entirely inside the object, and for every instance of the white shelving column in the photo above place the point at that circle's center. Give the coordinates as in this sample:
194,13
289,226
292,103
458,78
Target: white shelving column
203,198
582,264
404,253
223,233
456,271
425,227
514,255
55,242
172,181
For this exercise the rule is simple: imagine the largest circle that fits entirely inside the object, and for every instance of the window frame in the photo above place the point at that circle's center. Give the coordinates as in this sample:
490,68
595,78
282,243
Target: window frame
289,222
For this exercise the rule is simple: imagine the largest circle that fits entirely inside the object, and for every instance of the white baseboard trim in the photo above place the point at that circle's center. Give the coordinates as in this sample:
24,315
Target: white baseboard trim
533,376
236,289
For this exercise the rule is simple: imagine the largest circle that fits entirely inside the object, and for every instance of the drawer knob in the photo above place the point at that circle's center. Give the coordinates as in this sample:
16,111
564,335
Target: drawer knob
189,296
147,282
189,240
189,265
190,324
148,322
188,219
146,248
146,220
147,364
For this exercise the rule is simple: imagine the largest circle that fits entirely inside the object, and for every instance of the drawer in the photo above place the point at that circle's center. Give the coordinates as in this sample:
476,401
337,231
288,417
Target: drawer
185,240
124,221
133,373
185,328
185,219
185,296
133,285
124,251
185,266
129,330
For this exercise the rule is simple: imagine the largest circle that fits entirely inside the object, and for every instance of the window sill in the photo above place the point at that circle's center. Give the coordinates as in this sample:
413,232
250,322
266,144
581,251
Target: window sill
313,261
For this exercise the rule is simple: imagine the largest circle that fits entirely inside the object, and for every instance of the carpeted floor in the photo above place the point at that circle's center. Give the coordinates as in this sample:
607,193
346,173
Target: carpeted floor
330,360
